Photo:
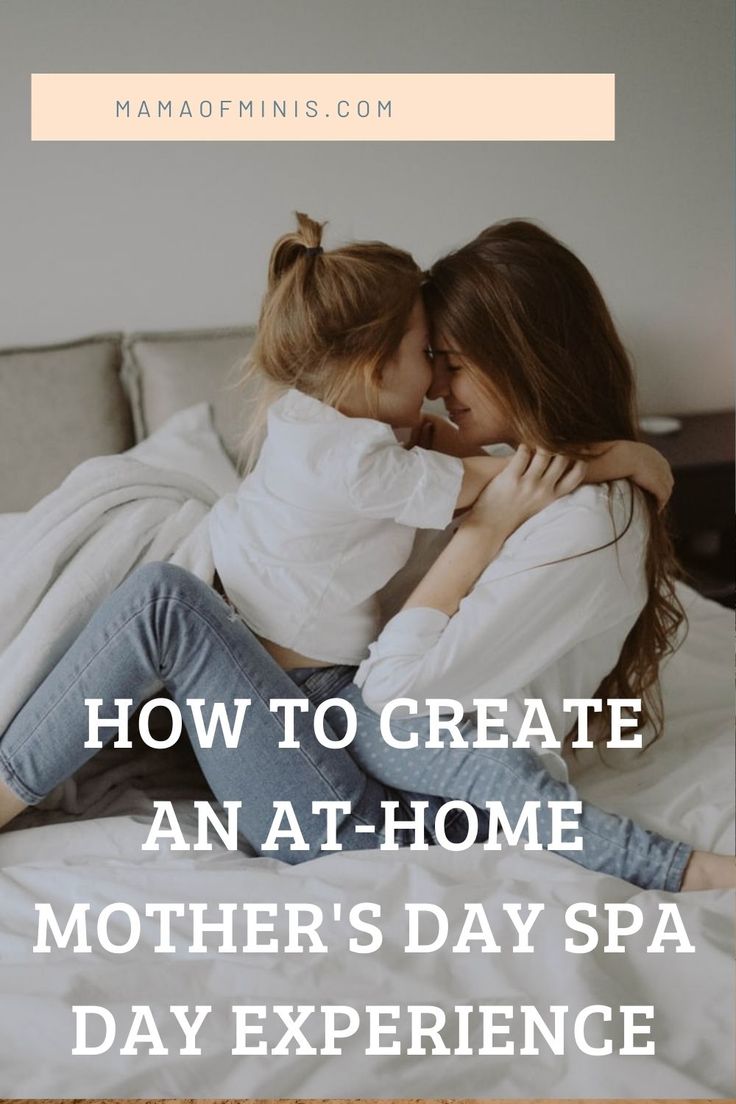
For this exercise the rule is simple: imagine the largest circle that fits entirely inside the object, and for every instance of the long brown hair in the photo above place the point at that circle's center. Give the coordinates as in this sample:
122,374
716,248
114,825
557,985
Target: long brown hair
328,319
529,316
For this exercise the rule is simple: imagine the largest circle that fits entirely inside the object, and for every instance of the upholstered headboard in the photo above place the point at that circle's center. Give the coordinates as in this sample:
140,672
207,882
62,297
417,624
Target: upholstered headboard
61,404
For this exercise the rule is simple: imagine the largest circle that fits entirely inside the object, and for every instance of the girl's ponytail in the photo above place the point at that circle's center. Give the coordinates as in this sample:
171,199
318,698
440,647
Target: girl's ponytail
301,244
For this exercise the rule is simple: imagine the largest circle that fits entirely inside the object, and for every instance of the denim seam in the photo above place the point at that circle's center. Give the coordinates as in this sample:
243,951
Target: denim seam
675,871
15,783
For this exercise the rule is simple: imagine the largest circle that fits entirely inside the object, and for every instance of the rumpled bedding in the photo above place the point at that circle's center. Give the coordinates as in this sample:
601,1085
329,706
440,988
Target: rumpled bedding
683,786
64,556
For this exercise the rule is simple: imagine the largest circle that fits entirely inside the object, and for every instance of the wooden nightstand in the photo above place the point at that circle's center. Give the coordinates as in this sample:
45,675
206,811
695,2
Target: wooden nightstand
702,504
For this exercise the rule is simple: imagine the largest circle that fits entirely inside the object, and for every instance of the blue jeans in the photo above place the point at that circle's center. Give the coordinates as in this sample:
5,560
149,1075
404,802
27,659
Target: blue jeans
164,628
611,844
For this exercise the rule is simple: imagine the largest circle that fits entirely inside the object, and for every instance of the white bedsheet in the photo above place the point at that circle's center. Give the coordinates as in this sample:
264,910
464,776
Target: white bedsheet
68,852
683,785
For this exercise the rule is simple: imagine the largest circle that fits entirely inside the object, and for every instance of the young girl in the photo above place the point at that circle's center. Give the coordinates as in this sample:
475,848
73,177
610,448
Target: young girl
328,515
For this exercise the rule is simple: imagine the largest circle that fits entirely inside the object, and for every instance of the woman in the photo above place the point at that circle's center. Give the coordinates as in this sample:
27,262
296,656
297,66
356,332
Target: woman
164,627
581,601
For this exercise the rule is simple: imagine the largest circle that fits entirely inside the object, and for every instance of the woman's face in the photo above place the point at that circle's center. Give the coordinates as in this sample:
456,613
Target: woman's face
471,404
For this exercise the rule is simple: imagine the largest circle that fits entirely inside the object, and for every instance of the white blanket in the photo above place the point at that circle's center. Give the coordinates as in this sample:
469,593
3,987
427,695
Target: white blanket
76,545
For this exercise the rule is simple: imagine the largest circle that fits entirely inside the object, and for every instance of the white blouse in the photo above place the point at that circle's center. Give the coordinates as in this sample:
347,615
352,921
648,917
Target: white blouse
323,521
543,621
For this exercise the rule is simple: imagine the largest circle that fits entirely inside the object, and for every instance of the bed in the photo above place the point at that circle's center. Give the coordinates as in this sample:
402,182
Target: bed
85,846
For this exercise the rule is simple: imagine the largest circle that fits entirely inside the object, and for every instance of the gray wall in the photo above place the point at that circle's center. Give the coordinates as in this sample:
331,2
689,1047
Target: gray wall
143,235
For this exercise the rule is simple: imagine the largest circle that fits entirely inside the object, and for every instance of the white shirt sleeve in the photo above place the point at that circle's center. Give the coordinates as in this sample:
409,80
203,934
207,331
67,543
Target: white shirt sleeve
523,614
415,487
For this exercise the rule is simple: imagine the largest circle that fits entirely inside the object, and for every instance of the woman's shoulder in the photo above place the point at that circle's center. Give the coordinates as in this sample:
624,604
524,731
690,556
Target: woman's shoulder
596,509
596,516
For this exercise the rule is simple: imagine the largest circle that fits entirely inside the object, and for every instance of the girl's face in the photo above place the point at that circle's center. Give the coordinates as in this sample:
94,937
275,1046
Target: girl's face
406,377
469,398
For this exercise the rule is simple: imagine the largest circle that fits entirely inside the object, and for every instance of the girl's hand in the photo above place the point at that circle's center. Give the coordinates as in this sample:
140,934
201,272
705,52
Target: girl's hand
632,460
422,436
440,435
651,472
531,481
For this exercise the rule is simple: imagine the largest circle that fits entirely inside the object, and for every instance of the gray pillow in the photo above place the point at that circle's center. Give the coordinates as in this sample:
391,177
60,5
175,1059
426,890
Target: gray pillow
59,405
167,372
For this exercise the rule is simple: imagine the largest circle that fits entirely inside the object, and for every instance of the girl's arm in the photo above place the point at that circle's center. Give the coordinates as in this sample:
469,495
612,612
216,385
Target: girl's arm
608,461
569,579
632,460
478,471
440,434
436,434
527,484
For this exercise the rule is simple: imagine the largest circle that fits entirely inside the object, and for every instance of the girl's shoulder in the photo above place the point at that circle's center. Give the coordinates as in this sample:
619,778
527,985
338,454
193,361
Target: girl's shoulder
314,445
295,409
295,406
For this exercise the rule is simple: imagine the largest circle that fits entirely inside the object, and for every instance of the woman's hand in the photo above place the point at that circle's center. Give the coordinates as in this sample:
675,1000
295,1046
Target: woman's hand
531,481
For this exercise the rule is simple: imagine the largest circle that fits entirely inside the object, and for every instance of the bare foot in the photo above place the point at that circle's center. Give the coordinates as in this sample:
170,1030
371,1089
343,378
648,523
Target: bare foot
10,805
708,871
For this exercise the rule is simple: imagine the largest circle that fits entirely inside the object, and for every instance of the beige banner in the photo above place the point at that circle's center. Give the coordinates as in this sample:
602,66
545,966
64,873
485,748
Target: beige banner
323,107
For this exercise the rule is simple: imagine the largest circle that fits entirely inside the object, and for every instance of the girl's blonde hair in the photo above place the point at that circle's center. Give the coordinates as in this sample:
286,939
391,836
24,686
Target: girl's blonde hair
328,320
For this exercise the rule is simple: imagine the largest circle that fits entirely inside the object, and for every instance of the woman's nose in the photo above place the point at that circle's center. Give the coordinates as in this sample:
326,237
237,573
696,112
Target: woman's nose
439,388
